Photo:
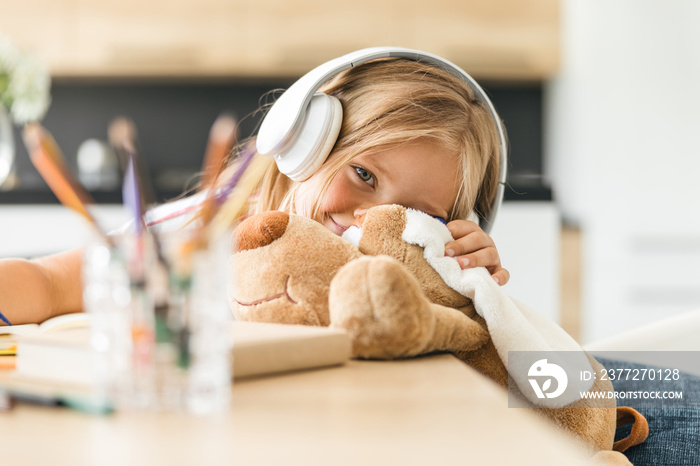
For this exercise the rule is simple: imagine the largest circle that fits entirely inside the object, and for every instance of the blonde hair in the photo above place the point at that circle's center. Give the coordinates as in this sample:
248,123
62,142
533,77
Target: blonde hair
389,102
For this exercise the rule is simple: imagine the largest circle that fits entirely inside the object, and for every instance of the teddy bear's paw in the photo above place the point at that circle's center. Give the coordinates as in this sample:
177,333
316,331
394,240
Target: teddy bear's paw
387,315
260,230
381,306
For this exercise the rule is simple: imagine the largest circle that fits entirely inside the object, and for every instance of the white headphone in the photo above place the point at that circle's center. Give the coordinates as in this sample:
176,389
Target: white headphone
301,128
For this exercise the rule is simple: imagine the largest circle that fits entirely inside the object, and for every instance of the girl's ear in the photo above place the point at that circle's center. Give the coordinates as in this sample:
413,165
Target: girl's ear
311,146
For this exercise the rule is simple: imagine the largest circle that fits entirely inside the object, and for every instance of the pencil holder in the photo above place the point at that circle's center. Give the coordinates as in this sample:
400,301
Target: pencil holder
106,297
159,335
195,323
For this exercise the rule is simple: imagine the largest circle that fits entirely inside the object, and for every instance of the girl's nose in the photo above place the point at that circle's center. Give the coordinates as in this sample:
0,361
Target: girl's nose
359,215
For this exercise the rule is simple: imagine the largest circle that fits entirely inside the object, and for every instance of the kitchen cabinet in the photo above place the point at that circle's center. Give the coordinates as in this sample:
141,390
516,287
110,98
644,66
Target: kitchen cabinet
528,237
491,39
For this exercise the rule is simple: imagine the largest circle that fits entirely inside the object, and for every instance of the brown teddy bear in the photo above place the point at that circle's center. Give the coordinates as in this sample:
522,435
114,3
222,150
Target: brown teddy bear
390,286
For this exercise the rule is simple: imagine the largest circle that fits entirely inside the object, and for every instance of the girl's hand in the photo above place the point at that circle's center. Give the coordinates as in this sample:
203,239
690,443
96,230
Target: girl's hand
474,248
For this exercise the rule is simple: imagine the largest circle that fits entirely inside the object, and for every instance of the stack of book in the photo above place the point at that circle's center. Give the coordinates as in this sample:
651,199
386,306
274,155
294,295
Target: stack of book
53,359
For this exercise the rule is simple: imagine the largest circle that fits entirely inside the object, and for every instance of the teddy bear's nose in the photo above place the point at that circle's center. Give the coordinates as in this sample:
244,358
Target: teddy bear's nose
261,230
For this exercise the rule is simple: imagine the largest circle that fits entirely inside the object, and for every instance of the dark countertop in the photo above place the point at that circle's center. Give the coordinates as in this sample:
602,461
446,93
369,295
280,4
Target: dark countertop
528,192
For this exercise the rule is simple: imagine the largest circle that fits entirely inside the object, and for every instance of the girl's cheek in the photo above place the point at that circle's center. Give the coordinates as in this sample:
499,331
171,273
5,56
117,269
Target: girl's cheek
338,196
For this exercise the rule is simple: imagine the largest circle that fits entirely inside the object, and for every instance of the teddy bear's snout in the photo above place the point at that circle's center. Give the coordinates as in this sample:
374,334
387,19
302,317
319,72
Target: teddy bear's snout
261,230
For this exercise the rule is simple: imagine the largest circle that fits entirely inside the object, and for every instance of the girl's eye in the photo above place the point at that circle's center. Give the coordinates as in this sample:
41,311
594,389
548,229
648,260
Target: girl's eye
365,175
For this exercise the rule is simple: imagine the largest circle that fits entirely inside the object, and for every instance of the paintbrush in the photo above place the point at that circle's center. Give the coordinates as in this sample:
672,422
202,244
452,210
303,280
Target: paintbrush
50,163
245,157
235,204
123,137
131,195
222,138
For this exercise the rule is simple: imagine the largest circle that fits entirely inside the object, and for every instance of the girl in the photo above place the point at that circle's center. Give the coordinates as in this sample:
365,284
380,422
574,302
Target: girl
412,133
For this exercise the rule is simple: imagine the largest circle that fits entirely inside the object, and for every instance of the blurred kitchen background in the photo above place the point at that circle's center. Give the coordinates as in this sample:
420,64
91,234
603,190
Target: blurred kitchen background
600,228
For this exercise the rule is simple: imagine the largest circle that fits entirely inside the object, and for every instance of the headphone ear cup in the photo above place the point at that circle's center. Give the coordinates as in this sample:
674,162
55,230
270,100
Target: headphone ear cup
315,139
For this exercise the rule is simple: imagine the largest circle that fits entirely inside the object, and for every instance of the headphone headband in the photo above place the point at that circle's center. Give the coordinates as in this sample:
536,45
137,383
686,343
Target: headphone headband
285,119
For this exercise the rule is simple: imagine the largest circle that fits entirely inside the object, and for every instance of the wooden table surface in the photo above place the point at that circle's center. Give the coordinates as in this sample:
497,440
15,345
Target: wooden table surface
430,410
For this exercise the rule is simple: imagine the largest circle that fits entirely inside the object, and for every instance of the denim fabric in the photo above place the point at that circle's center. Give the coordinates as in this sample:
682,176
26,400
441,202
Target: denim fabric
674,425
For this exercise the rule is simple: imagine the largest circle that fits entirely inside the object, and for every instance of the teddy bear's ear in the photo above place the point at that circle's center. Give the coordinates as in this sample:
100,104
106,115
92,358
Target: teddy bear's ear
260,230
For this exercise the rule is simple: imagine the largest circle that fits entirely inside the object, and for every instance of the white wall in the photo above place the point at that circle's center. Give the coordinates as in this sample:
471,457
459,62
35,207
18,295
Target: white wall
37,230
622,145
527,234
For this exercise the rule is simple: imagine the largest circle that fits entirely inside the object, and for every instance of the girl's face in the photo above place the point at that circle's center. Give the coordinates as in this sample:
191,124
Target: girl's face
420,175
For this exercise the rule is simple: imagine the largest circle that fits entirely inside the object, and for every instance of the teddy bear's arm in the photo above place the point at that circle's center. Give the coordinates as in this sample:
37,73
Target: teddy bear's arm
387,315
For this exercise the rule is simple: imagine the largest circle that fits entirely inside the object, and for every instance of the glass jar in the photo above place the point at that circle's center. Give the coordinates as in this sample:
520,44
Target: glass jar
160,330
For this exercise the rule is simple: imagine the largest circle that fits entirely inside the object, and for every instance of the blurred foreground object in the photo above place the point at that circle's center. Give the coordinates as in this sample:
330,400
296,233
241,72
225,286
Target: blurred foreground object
25,86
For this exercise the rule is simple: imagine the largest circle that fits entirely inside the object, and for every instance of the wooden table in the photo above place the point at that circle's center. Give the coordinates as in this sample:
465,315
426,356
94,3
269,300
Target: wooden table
430,410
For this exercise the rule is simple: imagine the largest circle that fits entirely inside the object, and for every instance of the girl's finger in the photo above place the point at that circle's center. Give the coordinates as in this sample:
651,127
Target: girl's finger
501,276
469,244
460,228
487,257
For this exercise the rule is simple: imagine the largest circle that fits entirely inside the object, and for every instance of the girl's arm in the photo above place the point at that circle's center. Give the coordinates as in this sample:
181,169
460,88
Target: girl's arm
35,290
474,248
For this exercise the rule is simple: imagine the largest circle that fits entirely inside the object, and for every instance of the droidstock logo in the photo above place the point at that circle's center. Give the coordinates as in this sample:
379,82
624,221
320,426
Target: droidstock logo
542,373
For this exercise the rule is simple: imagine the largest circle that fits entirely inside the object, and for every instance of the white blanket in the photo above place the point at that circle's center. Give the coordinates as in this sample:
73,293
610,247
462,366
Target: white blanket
512,326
